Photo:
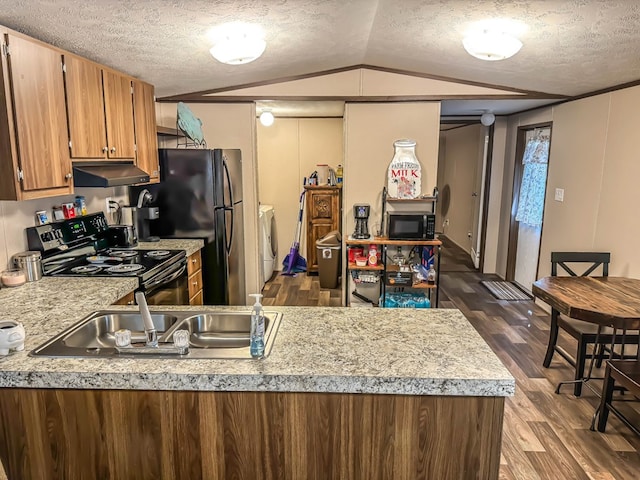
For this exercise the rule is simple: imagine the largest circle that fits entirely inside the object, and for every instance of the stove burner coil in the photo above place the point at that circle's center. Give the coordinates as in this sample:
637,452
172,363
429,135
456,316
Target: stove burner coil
126,268
86,269
123,253
158,253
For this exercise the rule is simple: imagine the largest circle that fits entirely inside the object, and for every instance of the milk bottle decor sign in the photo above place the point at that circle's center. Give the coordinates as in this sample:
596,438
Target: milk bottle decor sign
404,176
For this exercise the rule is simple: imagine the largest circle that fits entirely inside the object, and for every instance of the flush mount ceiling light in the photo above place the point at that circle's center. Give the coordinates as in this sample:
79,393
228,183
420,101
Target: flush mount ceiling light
267,118
237,43
491,45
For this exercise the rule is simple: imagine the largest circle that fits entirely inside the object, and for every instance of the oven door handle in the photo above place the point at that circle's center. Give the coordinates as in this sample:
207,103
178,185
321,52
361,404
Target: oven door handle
169,279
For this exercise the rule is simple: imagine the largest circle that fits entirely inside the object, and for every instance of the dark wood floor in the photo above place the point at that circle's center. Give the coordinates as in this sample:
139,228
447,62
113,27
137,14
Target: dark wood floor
546,436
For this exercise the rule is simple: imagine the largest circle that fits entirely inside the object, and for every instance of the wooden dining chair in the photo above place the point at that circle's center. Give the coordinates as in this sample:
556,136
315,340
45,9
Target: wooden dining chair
619,373
583,332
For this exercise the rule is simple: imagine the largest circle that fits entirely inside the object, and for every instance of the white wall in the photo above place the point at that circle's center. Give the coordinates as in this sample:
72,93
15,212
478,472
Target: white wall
288,151
460,168
495,184
370,130
15,217
594,158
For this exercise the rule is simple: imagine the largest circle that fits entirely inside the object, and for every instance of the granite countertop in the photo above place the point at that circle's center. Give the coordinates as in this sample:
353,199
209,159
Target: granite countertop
190,245
348,350
341,350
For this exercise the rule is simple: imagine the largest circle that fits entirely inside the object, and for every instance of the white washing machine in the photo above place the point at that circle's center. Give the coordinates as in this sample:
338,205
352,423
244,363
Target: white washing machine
268,242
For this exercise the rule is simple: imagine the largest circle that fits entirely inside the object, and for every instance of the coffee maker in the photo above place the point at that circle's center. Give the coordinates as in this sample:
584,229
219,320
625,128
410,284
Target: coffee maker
361,213
145,216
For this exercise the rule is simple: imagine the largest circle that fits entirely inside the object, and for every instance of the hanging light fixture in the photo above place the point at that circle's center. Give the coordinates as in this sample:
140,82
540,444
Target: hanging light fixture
491,45
267,118
237,43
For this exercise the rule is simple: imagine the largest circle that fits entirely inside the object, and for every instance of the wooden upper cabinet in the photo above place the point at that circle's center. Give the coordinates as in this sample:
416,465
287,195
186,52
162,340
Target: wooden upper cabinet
118,104
85,109
100,112
37,88
144,111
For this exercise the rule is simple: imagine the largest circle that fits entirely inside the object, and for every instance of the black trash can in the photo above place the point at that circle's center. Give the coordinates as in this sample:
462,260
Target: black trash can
328,252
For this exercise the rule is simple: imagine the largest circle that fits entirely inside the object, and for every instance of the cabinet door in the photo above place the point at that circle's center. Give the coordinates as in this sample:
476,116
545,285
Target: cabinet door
323,216
144,110
118,105
85,109
41,125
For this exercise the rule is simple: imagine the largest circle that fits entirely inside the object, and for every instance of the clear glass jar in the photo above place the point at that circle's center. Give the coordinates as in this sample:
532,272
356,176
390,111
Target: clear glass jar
404,177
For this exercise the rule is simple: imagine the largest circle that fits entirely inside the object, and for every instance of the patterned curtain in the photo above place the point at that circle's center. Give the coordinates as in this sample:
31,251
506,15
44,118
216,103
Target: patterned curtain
534,180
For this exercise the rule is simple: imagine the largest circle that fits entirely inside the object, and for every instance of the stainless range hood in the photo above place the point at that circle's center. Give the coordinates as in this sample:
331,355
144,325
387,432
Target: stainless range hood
108,175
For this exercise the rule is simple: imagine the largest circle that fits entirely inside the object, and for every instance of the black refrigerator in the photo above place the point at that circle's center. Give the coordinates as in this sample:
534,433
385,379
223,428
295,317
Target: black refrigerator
200,196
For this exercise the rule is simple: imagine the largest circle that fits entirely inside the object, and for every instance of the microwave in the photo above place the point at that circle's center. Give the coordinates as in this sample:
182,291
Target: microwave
411,226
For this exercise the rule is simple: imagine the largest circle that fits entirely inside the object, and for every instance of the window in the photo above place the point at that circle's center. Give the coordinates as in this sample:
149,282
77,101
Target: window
534,178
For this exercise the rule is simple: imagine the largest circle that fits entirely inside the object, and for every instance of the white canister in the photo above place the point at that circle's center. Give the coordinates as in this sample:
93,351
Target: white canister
323,173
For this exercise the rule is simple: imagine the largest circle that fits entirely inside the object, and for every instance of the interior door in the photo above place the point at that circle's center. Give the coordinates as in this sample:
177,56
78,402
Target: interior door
530,178
38,97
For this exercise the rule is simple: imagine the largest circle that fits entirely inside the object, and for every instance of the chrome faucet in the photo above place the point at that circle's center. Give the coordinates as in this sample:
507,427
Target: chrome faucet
149,328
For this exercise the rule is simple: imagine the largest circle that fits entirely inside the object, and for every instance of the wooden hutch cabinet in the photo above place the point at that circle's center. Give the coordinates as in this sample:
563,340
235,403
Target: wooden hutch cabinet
323,214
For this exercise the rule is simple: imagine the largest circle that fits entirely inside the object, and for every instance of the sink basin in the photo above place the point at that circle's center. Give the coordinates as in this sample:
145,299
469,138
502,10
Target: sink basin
218,334
228,330
99,330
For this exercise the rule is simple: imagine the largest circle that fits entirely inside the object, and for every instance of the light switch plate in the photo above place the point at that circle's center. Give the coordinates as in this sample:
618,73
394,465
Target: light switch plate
560,194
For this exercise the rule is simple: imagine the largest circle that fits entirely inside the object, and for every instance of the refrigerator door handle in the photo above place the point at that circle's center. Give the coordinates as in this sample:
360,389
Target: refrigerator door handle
228,175
230,206
230,239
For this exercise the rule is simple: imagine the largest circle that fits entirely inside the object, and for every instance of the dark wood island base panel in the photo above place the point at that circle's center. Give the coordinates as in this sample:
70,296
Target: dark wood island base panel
125,434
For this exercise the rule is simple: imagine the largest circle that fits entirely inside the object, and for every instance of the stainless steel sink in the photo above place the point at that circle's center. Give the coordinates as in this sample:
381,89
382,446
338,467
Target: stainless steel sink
98,331
218,334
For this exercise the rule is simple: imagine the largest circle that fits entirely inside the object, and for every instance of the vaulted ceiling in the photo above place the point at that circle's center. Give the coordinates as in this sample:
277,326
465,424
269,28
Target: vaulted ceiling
570,47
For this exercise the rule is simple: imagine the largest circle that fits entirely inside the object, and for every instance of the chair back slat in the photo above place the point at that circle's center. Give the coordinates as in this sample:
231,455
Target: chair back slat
595,259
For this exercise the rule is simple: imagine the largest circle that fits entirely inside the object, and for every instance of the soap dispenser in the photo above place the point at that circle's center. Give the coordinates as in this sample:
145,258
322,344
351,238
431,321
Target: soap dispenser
257,328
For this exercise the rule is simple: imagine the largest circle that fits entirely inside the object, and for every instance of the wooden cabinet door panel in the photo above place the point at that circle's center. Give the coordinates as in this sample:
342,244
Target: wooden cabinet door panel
144,110
41,125
323,216
118,106
323,206
85,109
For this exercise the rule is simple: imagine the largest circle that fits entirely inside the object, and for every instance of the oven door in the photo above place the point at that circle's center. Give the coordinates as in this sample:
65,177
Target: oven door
169,288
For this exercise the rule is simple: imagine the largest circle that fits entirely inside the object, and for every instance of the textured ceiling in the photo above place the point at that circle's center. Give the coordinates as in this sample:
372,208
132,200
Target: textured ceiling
570,47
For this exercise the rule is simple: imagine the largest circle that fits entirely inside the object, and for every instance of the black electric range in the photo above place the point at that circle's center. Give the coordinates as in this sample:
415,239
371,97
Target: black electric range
80,247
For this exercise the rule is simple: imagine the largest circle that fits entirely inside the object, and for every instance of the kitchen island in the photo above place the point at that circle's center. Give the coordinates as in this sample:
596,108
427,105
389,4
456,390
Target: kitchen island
345,393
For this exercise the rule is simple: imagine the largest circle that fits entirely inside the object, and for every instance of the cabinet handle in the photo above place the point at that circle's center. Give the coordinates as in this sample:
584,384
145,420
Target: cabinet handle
68,176
105,149
131,302
193,260
195,284
113,149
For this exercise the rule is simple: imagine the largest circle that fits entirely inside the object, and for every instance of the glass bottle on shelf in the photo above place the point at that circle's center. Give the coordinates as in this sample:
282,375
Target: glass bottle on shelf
431,275
399,259
404,177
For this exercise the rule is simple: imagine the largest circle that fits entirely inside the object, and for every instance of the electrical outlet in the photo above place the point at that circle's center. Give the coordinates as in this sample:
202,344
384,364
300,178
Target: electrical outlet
559,196
107,205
